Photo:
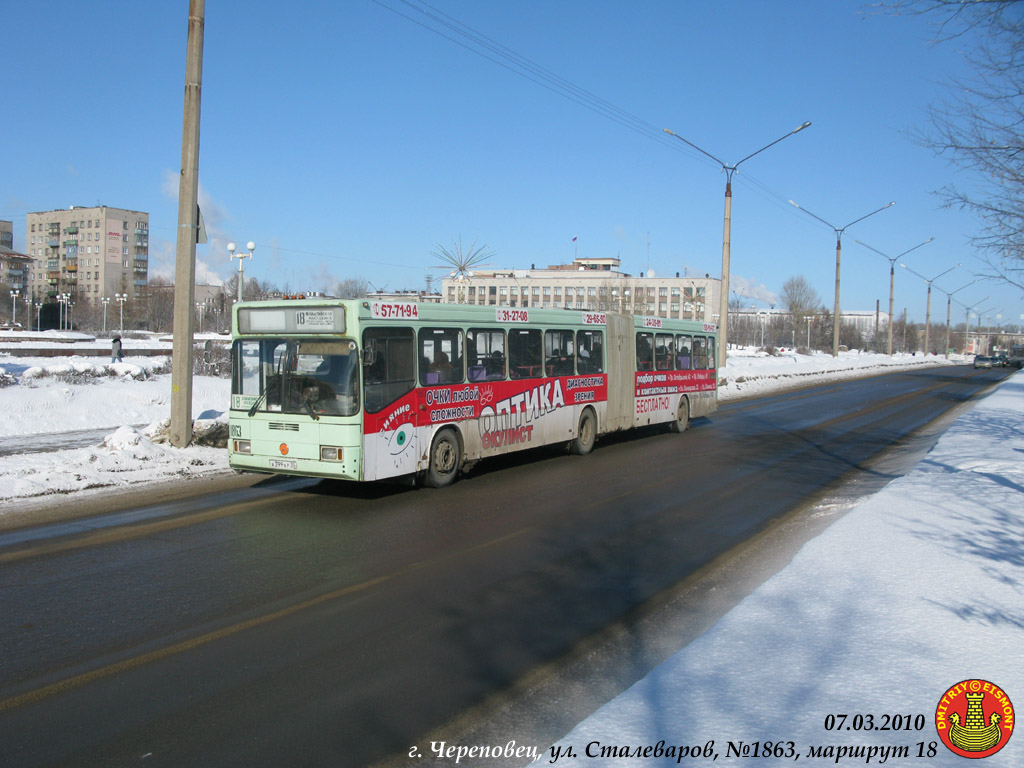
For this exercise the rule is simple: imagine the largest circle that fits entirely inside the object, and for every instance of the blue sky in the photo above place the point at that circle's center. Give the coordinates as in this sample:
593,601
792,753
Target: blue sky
348,141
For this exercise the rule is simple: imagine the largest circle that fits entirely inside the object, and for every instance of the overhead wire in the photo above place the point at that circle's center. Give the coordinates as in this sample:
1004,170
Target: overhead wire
481,45
437,22
440,23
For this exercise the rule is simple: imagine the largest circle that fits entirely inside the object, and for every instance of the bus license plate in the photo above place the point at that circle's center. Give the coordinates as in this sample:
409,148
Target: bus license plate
283,464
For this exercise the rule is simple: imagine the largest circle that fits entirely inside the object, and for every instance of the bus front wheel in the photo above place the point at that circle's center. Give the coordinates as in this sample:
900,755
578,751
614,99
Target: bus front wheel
682,417
444,460
587,434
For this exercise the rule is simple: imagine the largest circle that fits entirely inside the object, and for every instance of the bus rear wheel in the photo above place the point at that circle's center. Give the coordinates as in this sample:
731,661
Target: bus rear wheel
445,458
587,434
682,417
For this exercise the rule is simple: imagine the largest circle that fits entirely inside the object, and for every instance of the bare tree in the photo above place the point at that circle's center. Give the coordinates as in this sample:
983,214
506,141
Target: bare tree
351,288
799,298
980,126
158,312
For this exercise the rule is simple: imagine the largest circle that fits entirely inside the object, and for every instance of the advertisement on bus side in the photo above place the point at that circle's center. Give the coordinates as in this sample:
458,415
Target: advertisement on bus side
509,415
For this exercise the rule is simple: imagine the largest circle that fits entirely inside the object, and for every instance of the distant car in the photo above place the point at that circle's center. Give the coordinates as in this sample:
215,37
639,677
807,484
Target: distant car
1000,361
982,361
11,327
1016,357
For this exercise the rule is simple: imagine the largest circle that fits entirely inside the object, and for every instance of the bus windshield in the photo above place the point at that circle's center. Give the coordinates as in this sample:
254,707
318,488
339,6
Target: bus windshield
315,377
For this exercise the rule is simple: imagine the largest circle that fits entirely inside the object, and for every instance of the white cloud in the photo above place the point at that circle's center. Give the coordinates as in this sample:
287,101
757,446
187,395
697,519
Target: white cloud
214,216
752,290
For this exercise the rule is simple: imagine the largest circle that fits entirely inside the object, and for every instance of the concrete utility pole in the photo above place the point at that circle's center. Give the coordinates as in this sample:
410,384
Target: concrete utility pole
928,311
892,277
188,227
723,299
839,255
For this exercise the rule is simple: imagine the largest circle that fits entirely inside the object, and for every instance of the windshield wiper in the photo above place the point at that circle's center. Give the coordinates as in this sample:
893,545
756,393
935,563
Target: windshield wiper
309,409
258,403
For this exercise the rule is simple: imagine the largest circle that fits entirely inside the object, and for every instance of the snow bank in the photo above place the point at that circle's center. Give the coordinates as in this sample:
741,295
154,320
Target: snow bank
914,590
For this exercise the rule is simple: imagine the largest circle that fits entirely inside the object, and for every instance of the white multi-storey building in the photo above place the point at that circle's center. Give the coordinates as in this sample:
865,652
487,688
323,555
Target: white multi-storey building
588,284
87,253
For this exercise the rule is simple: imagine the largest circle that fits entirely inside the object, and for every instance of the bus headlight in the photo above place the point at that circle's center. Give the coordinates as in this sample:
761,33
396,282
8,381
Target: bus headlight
242,446
330,453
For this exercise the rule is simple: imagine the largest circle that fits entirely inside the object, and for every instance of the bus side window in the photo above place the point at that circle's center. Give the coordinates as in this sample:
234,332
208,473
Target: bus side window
683,346
525,359
558,353
388,367
441,356
664,351
590,351
700,353
644,352
712,360
485,355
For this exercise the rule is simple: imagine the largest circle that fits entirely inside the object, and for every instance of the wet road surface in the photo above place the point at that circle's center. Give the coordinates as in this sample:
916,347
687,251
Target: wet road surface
318,623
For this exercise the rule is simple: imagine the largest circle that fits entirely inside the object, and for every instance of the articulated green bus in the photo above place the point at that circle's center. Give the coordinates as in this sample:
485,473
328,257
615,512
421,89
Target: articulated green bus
369,390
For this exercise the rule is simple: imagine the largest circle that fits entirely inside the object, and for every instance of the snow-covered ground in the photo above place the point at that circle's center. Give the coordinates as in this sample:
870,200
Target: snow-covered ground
115,409
57,395
916,589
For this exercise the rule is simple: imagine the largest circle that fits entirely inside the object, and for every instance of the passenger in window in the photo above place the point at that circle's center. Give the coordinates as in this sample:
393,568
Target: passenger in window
664,357
584,364
442,367
644,353
495,365
562,363
596,359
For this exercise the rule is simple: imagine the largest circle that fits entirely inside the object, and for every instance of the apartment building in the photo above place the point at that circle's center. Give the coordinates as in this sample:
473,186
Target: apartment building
87,253
14,268
590,284
6,234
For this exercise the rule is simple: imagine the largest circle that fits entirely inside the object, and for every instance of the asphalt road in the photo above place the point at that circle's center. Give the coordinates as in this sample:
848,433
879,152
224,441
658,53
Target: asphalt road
324,624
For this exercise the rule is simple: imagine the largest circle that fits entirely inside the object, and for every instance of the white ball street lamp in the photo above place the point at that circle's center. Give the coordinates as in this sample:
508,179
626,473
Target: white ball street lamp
121,298
250,246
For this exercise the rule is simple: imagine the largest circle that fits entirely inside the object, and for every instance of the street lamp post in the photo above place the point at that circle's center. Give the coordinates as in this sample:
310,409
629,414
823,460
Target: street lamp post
839,251
28,310
39,310
967,320
14,305
993,316
723,299
105,301
120,298
949,304
808,319
928,306
250,246
892,277
62,309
